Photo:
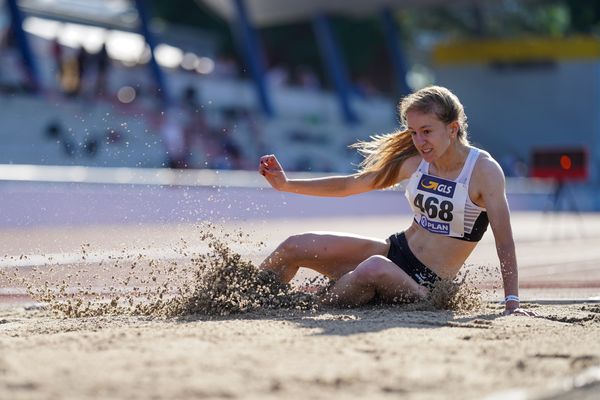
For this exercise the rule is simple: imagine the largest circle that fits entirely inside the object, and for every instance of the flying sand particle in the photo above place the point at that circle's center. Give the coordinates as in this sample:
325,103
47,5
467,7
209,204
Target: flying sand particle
217,283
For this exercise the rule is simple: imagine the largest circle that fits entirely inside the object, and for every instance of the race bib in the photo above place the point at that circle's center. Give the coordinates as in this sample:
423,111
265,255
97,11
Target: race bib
438,204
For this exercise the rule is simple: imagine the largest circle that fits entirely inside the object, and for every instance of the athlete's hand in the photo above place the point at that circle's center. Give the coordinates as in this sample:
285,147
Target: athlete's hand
271,169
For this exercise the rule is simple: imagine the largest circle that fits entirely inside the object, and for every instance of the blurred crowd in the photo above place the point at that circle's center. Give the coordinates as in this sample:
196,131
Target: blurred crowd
76,68
193,134
229,140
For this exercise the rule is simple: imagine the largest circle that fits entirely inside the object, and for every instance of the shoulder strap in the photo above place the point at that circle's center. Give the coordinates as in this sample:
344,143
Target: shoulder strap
465,175
423,167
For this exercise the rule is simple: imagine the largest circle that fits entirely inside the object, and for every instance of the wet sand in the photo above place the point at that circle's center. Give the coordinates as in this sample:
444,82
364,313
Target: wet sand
373,352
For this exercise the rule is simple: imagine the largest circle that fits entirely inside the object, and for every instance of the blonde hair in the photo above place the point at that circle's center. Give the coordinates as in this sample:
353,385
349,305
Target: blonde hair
384,154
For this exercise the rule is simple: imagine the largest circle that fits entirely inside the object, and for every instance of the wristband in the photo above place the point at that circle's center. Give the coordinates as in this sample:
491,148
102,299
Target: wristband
511,297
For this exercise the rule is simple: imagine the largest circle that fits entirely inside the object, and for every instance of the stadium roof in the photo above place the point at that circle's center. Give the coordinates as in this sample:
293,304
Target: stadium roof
106,13
123,14
271,12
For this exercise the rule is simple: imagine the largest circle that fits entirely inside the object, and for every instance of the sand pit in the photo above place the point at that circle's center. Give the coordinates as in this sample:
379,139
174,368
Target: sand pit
372,352
300,351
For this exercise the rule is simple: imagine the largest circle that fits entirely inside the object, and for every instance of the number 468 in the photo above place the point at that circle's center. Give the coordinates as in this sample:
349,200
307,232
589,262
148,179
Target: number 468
433,208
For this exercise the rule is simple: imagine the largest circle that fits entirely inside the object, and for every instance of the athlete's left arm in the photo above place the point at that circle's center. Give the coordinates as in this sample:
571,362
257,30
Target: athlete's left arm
490,184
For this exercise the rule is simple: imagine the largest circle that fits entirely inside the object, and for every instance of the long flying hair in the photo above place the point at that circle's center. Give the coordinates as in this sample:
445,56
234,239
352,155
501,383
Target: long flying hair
384,154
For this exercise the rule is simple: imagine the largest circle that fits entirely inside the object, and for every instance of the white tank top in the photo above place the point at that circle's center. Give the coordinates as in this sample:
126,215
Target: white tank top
443,206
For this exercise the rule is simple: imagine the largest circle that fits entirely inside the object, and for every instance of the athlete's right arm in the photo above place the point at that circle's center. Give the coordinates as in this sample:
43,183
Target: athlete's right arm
331,186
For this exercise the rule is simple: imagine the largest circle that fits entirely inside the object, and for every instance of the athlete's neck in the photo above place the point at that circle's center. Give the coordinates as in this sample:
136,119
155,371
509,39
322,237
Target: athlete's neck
452,160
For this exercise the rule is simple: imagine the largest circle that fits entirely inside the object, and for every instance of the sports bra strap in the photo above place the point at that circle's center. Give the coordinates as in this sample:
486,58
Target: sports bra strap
423,167
465,174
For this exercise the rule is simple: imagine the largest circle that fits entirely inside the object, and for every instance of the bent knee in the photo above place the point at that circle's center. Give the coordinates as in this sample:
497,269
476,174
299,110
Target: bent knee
297,244
294,242
374,269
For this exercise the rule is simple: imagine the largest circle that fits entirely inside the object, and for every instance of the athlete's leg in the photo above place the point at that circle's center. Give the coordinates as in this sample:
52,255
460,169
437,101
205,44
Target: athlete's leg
376,275
331,254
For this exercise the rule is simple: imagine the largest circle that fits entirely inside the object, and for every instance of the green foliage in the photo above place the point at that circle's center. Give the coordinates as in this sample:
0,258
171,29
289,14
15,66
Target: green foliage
196,14
584,15
188,12
361,43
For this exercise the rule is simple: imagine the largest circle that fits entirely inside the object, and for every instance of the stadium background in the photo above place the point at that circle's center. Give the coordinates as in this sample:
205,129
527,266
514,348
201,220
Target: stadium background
227,81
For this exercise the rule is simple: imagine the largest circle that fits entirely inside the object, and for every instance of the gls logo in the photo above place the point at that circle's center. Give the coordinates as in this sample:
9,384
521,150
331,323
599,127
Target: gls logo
437,185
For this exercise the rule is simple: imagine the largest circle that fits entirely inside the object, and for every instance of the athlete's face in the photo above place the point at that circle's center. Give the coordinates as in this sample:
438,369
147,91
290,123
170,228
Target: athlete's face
431,136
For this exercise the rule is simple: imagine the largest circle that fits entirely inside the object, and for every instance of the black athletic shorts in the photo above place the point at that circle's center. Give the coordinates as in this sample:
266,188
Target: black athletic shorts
401,255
